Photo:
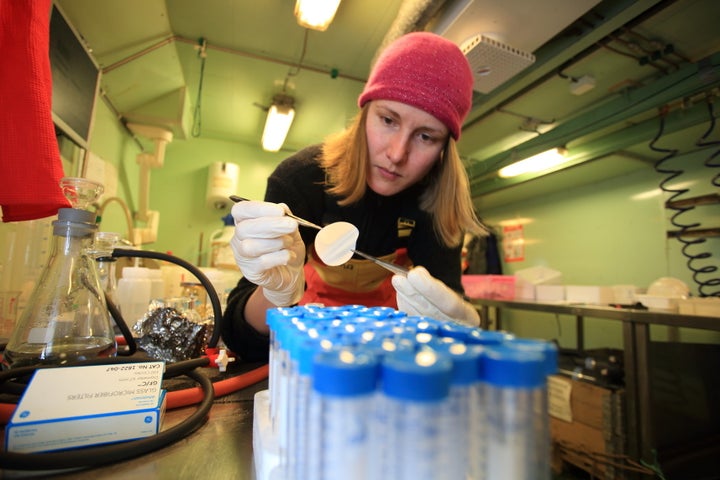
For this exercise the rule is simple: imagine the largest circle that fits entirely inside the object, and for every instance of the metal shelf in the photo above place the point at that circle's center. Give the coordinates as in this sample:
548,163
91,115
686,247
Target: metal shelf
610,313
636,340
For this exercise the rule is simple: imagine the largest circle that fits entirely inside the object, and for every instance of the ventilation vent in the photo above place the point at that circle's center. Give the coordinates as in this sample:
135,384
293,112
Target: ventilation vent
493,63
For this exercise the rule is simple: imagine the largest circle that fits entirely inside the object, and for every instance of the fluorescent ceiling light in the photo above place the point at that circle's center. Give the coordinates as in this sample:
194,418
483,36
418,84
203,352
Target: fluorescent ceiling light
316,14
536,163
277,124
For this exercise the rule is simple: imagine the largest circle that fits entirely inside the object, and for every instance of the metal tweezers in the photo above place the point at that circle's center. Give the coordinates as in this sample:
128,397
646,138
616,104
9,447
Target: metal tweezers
396,269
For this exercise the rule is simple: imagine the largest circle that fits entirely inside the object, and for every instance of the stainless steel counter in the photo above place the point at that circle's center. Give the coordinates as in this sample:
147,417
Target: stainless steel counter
220,449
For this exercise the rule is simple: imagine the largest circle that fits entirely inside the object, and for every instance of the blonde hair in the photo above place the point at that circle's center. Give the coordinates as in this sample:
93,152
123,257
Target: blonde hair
447,196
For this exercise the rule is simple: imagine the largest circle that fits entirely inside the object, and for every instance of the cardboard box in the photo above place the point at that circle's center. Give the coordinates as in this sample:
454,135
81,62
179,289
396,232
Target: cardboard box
550,293
586,425
528,279
71,407
706,306
589,294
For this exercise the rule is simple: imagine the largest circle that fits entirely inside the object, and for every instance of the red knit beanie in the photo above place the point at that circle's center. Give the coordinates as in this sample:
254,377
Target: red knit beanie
426,71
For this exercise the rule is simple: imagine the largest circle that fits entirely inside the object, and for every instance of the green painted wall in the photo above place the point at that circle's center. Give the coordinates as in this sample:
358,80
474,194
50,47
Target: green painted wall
178,188
112,143
178,191
608,233
605,233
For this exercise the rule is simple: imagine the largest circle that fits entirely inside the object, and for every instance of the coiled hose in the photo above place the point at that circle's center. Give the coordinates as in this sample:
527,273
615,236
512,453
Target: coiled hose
690,244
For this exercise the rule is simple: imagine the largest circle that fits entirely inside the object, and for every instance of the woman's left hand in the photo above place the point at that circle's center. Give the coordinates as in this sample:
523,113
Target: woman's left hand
421,294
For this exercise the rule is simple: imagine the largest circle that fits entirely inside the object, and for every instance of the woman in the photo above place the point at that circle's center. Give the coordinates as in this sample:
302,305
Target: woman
395,174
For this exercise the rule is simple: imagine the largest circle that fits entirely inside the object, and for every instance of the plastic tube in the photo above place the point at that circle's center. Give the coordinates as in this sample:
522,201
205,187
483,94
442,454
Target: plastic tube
410,431
344,382
514,379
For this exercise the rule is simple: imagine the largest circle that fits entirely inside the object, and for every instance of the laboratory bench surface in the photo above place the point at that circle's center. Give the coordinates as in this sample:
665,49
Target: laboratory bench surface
222,448
219,449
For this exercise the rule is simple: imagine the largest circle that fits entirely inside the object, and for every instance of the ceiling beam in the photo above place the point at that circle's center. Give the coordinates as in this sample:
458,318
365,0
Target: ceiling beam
551,57
601,147
689,80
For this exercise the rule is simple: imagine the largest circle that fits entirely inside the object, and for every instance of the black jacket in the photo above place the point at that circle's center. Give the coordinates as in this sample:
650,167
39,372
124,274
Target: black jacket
383,222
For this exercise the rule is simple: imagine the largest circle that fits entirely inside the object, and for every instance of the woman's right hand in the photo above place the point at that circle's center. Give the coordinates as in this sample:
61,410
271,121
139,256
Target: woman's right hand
269,250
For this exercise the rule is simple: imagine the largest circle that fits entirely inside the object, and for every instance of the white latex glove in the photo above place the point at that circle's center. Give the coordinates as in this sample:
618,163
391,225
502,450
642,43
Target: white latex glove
269,250
421,294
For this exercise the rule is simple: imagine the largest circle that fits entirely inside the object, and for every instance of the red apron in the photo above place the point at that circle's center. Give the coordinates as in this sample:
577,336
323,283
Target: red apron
357,282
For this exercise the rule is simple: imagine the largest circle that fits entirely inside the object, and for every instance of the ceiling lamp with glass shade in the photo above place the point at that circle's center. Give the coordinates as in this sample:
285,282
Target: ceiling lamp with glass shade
316,14
280,116
537,163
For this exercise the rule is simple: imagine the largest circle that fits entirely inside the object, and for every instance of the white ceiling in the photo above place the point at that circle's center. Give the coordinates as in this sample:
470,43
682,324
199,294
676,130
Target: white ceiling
642,54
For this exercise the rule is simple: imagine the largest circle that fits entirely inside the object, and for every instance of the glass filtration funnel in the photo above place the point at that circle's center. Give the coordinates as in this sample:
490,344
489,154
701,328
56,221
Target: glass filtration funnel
66,318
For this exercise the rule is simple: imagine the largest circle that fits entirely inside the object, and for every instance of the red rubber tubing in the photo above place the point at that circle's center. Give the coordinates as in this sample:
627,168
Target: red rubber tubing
191,396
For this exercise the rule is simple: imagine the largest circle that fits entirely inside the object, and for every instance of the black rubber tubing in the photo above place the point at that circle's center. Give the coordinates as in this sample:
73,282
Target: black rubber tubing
102,455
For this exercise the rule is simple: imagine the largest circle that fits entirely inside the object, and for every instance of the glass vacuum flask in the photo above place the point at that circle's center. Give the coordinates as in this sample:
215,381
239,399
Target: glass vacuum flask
66,318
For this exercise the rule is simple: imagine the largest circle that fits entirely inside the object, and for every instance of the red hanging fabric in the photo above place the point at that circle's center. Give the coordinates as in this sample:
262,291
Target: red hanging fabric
30,165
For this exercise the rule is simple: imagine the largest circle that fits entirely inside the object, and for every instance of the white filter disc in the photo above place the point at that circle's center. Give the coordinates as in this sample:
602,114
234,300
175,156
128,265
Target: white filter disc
335,243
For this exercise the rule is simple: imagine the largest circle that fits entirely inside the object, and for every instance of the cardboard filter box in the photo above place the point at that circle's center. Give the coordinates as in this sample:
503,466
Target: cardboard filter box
587,425
71,407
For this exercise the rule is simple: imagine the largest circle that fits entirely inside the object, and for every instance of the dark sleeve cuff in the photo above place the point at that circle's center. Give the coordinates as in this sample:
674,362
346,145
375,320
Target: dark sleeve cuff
239,336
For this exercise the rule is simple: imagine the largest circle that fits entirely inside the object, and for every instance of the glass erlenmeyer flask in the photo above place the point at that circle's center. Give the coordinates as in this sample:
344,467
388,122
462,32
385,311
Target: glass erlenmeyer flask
66,318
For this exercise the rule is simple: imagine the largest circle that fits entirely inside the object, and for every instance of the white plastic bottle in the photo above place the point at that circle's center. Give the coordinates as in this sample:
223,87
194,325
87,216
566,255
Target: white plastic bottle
157,284
133,293
221,255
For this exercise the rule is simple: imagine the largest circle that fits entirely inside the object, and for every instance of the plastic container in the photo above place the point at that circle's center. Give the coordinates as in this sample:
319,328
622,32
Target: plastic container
541,406
157,284
173,277
514,383
299,439
134,292
466,410
500,287
221,254
221,183
344,382
411,434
